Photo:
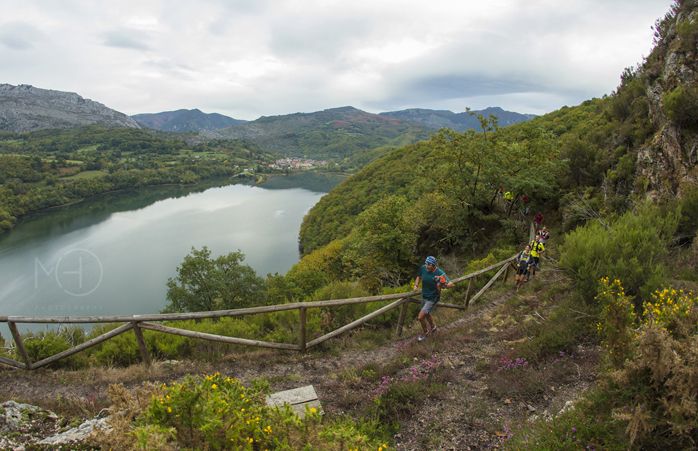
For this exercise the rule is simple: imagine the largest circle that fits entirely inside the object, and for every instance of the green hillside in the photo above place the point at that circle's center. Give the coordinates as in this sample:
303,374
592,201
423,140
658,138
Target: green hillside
341,134
534,158
56,167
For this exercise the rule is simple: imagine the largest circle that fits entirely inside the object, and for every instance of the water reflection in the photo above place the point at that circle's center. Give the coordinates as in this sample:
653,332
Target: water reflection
114,254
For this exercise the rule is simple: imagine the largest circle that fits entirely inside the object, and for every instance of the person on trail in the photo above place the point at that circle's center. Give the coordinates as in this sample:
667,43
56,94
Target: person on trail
537,248
543,235
523,262
508,196
538,220
433,280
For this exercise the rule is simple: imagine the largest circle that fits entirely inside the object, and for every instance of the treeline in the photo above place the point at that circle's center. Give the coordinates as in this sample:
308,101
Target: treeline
51,168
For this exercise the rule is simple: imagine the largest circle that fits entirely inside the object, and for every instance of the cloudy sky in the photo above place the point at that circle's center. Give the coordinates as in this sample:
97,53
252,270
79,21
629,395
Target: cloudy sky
247,58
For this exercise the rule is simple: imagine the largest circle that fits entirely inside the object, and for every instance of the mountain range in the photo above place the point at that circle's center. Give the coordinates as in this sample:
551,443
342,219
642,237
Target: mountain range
457,121
344,133
27,108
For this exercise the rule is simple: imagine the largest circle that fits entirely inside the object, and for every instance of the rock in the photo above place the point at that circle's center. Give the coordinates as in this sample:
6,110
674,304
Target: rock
18,417
26,108
530,408
6,443
77,434
569,405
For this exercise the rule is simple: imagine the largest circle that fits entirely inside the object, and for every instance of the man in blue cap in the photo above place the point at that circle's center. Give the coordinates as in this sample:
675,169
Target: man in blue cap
433,280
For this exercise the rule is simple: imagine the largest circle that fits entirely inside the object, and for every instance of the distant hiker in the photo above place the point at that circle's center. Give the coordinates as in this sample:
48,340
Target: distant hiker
538,220
524,202
537,248
543,235
433,280
523,262
508,197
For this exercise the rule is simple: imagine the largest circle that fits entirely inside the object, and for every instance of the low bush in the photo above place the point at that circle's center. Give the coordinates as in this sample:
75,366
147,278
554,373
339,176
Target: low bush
217,412
40,345
648,399
681,106
629,248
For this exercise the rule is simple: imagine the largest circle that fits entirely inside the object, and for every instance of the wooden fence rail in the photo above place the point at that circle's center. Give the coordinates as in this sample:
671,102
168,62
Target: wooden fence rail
149,322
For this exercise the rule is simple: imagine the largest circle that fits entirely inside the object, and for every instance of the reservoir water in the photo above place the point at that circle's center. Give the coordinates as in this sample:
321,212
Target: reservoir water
114,254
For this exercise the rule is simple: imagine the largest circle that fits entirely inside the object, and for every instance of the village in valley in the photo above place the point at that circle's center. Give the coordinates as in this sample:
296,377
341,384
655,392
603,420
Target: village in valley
297,164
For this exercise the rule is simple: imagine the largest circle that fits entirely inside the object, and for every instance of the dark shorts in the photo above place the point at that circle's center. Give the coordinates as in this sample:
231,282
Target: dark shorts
522,270
536,261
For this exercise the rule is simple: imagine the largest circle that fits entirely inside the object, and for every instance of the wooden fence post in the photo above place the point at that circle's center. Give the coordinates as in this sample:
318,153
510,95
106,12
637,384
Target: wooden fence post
20,344
302,338
401,319
141,343
467,292
506,275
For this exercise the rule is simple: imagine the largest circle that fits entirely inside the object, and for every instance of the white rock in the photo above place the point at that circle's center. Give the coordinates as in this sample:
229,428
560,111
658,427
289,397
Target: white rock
77,434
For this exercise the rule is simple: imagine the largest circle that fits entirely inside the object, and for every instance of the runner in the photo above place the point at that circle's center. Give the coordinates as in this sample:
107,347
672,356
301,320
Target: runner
523,262
537,248
433,280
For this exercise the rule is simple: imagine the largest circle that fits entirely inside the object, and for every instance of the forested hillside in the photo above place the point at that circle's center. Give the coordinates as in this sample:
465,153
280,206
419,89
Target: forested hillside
343,134
55,167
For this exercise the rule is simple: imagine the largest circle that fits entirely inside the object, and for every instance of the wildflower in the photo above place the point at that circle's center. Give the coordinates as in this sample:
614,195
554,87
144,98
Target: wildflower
169,409
313,410
250,440
214,386
267,429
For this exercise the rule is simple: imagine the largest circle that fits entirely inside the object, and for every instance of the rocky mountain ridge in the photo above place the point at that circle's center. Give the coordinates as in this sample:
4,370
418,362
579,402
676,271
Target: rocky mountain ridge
668,160
27,108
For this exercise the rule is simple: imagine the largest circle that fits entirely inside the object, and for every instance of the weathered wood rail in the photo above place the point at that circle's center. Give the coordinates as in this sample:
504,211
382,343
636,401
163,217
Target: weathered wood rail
150,322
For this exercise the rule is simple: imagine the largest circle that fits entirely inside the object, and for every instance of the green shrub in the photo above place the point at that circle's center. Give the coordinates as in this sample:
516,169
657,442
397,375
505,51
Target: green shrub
629,248
660,382
47,343
217,413
616,320
681,106
121,350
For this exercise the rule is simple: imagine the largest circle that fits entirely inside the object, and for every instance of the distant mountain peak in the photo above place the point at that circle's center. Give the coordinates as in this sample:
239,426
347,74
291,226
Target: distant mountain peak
184,120
26,108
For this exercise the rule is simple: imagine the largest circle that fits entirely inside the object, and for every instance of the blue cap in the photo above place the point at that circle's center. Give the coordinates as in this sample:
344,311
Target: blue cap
430,260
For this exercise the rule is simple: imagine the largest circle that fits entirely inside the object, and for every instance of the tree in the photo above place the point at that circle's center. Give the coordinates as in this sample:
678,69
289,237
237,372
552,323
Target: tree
204,283
381,246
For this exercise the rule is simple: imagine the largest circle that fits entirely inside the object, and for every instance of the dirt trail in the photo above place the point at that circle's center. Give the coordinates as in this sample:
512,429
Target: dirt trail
462,415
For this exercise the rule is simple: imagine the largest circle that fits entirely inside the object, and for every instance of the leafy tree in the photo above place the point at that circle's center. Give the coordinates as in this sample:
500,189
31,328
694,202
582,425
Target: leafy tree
381,246
204,283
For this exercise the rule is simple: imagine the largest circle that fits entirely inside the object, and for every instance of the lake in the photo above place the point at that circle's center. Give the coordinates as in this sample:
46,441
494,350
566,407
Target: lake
114,254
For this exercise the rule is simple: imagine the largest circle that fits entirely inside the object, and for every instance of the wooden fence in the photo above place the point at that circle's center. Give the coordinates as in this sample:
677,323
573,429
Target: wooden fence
150,322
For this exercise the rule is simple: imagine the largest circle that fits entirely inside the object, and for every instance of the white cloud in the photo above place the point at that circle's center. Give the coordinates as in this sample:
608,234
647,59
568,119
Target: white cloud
249,58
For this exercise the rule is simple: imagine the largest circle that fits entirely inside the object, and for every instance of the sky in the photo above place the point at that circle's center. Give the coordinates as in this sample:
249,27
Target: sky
248,58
